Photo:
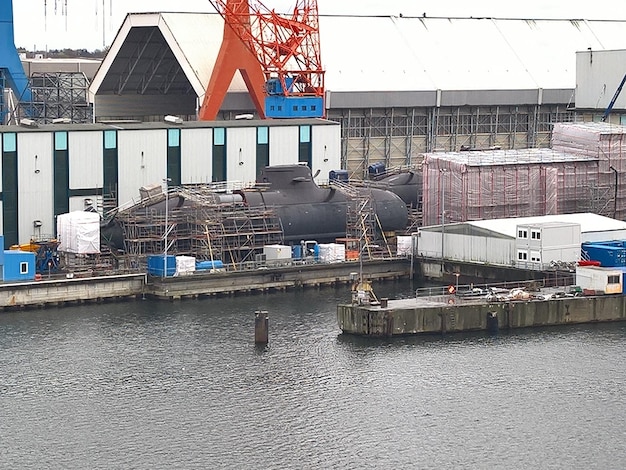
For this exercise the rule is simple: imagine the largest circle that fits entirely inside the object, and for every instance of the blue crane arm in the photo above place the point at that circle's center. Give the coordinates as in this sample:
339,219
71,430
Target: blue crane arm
608,109
9,59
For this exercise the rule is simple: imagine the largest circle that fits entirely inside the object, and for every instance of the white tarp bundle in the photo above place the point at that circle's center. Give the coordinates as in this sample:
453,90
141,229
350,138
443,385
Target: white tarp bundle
79,232
332,252
185,265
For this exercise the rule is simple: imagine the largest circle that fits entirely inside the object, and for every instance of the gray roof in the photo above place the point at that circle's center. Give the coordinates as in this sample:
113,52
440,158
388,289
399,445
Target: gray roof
408,58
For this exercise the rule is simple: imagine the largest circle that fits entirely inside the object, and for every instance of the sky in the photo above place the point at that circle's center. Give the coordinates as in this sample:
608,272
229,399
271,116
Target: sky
93,24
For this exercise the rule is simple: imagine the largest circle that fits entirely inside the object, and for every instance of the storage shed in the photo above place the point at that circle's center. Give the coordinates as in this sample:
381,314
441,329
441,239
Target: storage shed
496,241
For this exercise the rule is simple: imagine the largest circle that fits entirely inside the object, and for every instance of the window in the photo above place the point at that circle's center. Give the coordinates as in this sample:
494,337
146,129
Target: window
522,233
23,267
9,142
613,279
535,257
110,139
522,255
535,234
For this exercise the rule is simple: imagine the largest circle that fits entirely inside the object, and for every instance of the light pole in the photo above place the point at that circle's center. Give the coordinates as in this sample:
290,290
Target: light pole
166,181
443,211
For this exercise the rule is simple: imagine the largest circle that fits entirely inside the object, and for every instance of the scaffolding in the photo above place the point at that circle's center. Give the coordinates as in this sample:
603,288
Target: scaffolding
361,220
208,225
463,186
58,96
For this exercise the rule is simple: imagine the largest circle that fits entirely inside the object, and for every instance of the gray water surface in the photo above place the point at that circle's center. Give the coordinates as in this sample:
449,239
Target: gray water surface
181,385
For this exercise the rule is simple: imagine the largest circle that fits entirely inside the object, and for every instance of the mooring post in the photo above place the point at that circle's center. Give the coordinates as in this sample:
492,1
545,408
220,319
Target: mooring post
261,332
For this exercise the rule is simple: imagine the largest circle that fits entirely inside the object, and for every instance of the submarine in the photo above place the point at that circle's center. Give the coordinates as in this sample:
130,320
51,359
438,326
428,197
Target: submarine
306,211
310,212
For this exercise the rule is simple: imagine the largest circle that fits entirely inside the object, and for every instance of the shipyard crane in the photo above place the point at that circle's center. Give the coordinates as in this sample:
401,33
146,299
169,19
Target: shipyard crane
609,108
278,57
12,76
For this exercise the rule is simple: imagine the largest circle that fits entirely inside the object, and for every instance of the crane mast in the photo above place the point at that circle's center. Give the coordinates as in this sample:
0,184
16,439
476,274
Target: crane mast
285,49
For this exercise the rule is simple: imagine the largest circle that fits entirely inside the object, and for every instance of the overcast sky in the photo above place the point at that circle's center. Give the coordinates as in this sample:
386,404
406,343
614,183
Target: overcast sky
92,24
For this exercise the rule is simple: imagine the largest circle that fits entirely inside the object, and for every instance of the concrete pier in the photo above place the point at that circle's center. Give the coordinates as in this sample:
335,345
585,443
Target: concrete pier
67,291
441,315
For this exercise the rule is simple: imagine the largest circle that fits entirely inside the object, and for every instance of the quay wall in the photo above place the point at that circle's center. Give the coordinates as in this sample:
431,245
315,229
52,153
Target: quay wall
63,291
406,320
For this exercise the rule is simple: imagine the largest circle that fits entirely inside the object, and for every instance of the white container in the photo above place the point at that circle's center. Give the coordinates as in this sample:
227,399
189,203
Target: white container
332,252
277,252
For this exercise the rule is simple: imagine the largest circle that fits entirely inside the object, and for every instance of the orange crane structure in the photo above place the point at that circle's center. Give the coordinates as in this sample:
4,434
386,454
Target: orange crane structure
278,57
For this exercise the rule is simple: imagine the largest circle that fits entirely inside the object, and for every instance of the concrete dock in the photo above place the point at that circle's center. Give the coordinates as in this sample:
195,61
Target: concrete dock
60,290
448,314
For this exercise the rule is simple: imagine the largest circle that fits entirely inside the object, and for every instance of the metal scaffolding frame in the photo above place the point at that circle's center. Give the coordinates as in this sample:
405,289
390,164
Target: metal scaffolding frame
397,136
58,95
204,227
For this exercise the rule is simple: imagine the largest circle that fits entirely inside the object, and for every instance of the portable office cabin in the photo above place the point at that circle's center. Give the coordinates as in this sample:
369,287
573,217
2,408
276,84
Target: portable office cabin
600,280
538,244
18,266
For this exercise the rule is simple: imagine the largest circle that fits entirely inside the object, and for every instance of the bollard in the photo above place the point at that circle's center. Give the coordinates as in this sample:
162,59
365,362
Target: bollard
261,332
383,302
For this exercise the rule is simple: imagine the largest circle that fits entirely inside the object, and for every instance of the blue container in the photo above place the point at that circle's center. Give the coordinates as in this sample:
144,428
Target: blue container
608,256
18,266
338,175
208,265
376,169
156,265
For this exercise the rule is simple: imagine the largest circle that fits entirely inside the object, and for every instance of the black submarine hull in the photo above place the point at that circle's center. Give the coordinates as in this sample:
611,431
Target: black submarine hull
309,212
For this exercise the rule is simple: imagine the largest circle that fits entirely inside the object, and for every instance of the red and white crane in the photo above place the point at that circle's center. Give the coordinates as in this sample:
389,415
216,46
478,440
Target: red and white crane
277,55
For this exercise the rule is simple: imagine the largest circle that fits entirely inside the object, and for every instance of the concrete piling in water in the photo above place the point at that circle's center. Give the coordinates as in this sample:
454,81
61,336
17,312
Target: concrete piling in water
261,330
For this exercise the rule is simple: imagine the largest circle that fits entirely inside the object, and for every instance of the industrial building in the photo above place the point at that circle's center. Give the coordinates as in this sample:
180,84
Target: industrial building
418,85
53,169
525,242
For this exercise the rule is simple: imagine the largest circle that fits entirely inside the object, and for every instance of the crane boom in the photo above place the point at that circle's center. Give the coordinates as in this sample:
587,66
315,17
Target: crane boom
287,49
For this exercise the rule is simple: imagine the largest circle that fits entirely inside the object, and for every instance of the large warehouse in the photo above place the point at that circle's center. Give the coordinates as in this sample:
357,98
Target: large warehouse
419,84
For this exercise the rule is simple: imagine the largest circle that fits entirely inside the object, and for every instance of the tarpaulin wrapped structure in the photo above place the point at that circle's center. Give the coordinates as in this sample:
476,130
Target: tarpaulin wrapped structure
79,232
490,184
607,143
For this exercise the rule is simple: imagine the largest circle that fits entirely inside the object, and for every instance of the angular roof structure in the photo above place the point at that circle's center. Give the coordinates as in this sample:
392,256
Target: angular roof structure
404,60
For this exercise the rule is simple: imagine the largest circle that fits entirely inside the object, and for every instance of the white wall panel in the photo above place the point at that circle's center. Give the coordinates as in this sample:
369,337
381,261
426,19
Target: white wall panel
326,148
241,154
85,159
196,155
284,142
35,182
142,157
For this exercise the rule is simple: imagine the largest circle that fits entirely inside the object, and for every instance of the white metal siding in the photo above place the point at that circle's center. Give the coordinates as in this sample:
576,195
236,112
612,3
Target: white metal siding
284,142
142,159
598,74
196,155
241,154
85,159
326,141
35,182
467,248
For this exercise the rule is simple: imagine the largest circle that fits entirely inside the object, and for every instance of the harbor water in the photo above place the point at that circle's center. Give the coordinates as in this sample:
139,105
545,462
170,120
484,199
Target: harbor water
182,385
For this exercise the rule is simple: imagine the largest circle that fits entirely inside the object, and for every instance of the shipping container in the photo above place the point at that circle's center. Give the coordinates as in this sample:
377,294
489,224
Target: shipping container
607,255
157,263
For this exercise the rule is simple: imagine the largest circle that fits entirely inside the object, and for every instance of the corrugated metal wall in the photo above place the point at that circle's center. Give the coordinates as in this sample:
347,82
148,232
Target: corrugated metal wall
36,185
142,161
